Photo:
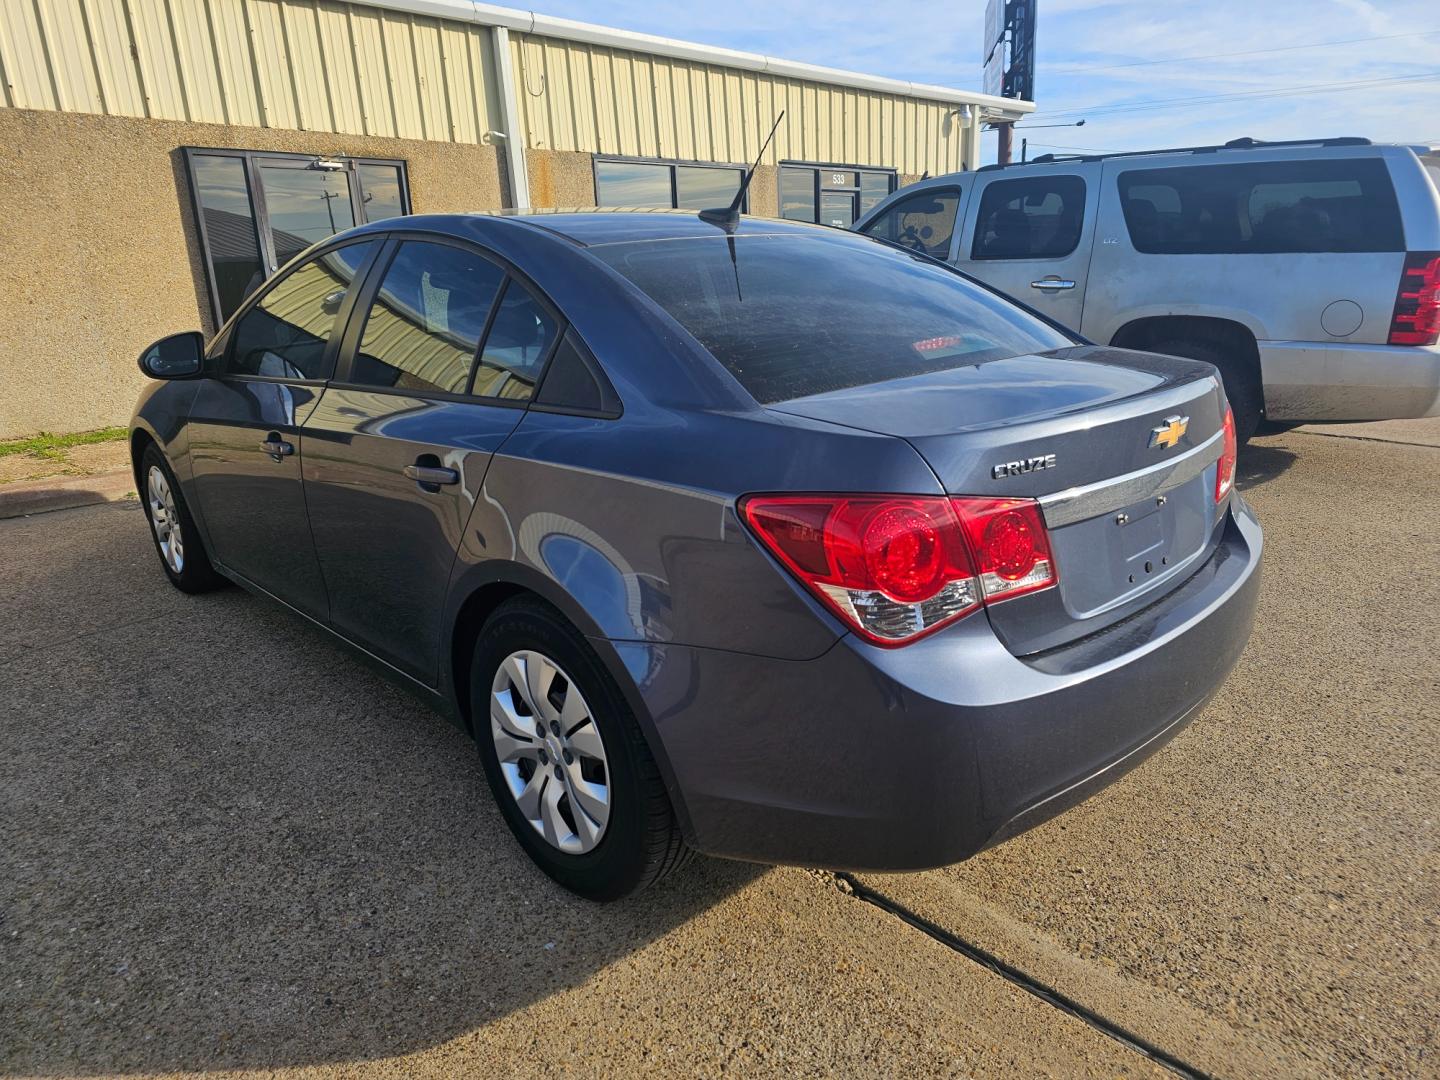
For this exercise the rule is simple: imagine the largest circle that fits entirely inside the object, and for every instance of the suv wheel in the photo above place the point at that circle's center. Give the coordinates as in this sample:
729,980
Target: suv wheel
566,760
1242,386
177,540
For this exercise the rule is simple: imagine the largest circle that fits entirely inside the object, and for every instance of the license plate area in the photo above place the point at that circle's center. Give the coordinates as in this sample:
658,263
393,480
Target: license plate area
1112,558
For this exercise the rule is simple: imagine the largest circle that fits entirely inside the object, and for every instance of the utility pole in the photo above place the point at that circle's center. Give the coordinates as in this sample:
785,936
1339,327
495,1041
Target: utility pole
1006,132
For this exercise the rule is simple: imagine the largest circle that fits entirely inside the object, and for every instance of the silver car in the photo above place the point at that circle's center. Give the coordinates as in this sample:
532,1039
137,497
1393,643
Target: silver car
1307,272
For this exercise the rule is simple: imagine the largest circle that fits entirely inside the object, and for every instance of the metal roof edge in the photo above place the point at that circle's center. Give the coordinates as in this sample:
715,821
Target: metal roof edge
530,22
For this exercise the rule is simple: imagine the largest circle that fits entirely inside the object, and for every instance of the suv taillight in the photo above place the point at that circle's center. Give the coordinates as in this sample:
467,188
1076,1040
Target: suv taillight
1225,467
1417,301
897,567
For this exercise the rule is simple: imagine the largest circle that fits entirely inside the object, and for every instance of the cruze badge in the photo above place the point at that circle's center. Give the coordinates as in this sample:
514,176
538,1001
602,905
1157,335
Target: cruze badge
1168,433
1020,468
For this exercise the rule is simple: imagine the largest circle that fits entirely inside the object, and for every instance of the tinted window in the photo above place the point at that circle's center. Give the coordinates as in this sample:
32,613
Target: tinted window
516,346
305,207
698,188
793,316
426,321
1258,207
224,197
632,183
1038,217
574,381
924,222
283,336
380,193
797,194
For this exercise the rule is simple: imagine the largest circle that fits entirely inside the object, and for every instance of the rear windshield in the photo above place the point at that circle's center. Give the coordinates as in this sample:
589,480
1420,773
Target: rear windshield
791,316
1262,207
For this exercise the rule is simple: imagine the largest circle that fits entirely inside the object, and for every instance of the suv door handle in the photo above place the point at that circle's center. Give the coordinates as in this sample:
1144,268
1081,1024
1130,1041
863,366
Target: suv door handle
431,475
276,447
1052,283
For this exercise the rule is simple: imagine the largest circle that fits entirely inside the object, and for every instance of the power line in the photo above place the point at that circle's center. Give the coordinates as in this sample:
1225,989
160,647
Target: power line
1082,68
1283,91
1083,149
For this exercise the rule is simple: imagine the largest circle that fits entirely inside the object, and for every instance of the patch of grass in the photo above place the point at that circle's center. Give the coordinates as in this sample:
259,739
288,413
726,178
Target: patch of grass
45,445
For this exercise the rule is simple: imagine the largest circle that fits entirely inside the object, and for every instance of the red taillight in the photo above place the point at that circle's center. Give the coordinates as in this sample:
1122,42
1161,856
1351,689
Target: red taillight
1417,301
897,567
1225,467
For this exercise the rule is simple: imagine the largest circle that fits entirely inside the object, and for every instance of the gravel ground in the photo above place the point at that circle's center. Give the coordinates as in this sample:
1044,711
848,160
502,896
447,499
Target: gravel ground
224,844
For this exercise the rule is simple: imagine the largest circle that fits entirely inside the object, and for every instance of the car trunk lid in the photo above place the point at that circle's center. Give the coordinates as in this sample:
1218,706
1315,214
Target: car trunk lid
1120,448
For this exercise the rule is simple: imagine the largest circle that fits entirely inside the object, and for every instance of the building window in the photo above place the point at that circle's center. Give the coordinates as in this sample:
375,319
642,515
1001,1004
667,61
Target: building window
665,184
259,210
831,194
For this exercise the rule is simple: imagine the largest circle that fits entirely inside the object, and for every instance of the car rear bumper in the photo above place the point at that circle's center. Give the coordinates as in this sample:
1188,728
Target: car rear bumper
903,759
1309,380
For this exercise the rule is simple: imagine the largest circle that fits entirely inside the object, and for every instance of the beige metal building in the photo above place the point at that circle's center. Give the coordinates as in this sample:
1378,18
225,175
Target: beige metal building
159,157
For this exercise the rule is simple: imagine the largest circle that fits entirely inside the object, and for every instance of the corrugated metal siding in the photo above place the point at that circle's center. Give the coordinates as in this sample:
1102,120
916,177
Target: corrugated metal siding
575,96
310,65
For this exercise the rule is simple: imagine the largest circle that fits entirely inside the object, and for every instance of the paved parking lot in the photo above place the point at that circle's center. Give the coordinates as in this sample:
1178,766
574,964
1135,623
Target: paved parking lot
226,844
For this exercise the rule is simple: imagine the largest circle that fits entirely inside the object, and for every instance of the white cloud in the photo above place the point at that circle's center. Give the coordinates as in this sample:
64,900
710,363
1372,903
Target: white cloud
1081,41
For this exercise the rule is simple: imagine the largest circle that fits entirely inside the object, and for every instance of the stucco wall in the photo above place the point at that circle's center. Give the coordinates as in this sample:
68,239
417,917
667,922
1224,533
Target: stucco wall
100,256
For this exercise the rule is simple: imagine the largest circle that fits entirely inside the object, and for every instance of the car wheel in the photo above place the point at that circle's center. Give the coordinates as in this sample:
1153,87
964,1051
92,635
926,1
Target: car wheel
177,540
1242,386
567,761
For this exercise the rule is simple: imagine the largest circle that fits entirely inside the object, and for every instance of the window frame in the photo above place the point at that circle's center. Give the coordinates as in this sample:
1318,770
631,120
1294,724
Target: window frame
671,163
364,298
979,197
343,317
817,188
260,215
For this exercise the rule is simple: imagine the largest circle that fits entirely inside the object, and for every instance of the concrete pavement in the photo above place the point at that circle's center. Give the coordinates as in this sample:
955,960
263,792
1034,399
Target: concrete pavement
224,844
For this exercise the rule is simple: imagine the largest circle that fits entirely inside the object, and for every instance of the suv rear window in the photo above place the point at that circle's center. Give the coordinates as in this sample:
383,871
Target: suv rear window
792,316
1262,208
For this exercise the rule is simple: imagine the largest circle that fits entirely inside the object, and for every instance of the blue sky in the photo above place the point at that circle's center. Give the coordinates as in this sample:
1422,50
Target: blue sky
1096,60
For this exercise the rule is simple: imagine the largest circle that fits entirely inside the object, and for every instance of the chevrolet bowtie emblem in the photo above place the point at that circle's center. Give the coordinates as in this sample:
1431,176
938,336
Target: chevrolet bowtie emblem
1168,433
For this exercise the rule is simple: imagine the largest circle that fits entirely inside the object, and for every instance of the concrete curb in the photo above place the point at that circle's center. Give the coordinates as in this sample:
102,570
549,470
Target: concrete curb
64,493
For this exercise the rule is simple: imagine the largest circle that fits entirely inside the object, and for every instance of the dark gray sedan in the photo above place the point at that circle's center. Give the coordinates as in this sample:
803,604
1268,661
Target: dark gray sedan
758,539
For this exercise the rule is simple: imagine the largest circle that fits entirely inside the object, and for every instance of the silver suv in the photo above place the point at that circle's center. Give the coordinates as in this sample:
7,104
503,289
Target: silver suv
1307,272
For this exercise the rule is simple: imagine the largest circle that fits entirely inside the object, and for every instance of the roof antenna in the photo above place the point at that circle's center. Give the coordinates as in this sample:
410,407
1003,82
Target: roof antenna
727,217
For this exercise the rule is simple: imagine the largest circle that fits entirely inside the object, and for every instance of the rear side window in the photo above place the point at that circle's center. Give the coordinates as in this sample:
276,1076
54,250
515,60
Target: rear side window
425,323
516,346
1269,207
285,334
1038,217
924,222
791,316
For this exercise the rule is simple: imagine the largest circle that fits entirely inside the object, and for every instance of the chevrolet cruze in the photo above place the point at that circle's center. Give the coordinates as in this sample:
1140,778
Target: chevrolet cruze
744,537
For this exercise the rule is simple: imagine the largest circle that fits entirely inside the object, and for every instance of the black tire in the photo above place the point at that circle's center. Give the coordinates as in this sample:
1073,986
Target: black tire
195,575
1242,383
641,842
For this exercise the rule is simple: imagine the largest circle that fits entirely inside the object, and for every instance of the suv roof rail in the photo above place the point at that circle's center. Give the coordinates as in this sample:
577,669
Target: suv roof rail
1245,143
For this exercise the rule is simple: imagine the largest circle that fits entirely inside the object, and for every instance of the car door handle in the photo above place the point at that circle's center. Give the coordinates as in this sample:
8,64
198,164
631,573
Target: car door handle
276,447
432,475
1052,283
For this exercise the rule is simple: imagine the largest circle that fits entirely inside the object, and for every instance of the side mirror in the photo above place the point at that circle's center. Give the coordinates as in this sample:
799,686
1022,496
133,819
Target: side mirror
178,356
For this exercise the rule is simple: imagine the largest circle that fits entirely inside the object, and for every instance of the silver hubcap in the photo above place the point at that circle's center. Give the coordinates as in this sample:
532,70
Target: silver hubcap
550,751
164,520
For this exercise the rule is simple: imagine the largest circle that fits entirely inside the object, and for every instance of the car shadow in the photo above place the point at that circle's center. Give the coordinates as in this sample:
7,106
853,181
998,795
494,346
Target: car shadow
1261,460
225,843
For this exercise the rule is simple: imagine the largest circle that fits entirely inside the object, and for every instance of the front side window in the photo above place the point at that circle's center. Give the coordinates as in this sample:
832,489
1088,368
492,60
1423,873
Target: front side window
257,211
425,323
1343,205
1038,217
924,222
516,347
792,316
665,185
285,334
